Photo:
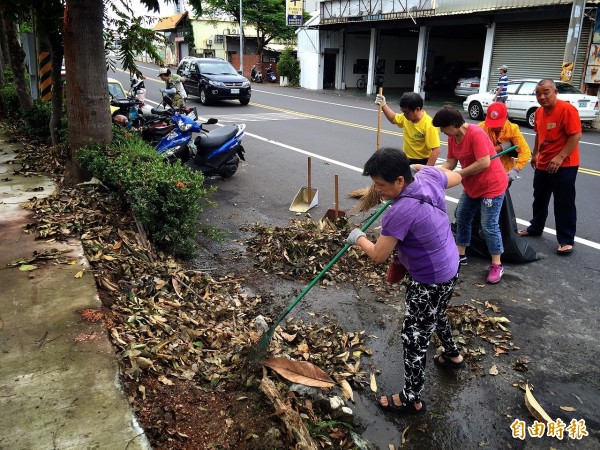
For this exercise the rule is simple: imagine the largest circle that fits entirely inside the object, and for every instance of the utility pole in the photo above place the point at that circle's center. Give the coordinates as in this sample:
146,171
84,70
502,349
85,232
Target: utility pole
573,37
241,41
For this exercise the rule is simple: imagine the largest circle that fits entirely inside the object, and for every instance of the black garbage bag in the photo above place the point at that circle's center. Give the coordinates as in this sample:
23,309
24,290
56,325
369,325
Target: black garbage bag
516,248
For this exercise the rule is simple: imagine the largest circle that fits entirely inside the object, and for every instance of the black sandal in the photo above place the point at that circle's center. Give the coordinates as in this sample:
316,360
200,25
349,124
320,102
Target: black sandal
404,408
447,362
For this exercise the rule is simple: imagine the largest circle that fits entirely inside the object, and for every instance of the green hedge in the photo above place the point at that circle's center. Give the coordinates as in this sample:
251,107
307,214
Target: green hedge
36,120
166,199
288,66
9,100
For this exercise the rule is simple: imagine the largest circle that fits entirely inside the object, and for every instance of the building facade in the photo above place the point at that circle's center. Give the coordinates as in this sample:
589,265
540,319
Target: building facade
421,44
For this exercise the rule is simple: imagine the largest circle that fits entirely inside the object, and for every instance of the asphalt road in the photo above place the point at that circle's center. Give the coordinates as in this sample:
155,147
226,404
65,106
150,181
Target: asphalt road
284,126
552,303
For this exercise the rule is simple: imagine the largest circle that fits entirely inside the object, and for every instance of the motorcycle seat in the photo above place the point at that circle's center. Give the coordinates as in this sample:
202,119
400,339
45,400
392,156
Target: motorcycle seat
160,112
124,103
218,137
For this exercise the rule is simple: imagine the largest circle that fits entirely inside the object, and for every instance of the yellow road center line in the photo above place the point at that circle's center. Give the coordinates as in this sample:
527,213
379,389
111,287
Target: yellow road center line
365,127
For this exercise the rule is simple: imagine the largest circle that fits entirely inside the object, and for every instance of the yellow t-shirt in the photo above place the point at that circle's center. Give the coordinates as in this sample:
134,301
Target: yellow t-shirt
419,138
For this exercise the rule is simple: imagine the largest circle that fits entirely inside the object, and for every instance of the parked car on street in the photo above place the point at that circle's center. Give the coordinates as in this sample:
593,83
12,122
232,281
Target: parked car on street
468,83
522,103
213,79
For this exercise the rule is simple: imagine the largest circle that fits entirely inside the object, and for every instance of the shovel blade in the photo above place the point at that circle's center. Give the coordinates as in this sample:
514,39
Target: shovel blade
331,215
305,199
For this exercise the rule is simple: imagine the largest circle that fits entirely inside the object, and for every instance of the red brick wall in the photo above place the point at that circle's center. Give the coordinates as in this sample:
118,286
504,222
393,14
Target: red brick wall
249,61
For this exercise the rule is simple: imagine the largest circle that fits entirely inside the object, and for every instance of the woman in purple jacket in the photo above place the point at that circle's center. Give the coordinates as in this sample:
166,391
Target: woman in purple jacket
416,226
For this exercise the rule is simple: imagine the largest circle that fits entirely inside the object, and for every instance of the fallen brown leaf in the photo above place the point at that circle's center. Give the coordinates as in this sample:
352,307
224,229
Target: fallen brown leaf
301,372
534,407
346,390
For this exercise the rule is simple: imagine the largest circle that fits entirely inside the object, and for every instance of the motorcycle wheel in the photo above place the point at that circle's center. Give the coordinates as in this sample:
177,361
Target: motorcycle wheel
182,154
227,170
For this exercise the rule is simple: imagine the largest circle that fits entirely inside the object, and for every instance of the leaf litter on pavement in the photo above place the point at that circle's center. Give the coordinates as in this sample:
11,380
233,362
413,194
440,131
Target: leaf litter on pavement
170,322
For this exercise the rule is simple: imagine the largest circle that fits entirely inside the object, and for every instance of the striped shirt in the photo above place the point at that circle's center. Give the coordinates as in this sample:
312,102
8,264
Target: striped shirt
502,86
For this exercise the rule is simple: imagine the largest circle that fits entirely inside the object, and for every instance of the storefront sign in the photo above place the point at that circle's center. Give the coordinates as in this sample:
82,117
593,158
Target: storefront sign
293,12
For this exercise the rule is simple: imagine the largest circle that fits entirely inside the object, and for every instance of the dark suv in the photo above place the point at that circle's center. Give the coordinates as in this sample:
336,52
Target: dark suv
213,79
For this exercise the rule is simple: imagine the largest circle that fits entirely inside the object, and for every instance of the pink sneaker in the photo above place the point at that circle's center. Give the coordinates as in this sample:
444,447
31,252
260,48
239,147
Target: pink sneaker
495,273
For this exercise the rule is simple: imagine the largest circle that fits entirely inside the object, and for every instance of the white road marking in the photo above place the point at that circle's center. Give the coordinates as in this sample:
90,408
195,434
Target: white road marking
551,231
343,105
371,109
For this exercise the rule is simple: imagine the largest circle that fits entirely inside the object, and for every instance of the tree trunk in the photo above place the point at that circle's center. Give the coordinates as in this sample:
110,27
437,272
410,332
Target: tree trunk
2,80
3,44
57,50
87,97
49,16
17,59
3,49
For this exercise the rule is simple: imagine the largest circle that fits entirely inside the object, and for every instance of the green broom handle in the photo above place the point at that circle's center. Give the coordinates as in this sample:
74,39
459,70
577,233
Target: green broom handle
503,152
269,334
372,219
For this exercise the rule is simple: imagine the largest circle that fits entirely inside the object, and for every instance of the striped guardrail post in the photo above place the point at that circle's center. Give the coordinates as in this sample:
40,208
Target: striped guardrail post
45,74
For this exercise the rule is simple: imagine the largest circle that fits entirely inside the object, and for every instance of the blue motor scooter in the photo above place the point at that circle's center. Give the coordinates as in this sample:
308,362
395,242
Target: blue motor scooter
215,152
271,75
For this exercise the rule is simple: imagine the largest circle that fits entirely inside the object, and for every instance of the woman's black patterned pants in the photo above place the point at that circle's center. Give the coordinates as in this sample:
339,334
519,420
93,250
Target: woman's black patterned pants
425,313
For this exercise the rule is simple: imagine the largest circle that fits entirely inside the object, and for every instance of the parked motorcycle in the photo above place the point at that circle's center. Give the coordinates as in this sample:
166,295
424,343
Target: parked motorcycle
159,122
271,75
215,152
129,112
256,75
137,89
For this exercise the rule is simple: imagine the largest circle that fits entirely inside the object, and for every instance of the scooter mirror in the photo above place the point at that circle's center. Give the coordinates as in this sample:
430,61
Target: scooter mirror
211,121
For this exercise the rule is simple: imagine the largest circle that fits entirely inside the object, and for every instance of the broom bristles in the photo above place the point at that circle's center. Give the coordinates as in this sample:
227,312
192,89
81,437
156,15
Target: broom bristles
370,199
358,193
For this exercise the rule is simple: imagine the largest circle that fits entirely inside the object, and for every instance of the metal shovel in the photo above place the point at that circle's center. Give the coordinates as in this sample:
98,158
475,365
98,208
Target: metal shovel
334,214
307,197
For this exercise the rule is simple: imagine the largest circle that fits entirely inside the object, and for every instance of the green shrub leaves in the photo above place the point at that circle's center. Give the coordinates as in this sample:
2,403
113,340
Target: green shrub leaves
165,198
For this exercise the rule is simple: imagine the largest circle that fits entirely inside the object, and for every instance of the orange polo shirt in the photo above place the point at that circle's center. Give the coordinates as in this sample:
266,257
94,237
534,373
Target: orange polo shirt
552,132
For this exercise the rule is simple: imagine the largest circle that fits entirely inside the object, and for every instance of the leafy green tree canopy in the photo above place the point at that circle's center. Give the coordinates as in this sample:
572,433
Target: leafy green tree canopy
267,16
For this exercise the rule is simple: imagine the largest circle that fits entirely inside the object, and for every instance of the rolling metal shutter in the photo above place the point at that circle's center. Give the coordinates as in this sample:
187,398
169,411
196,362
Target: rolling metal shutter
536,49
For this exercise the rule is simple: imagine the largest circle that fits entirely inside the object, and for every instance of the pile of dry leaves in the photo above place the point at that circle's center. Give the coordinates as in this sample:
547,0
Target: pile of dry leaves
173,325
304,248
301,250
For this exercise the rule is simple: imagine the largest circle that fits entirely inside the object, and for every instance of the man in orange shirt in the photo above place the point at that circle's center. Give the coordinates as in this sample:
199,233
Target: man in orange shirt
555,159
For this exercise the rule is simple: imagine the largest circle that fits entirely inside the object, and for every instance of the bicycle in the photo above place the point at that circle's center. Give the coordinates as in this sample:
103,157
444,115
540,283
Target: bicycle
362,81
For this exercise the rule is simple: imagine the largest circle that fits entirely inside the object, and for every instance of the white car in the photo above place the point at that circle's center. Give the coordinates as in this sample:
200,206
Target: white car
522,103
469,83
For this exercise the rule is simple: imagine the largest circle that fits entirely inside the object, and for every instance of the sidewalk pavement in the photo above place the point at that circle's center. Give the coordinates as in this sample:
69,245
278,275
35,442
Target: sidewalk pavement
59,382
